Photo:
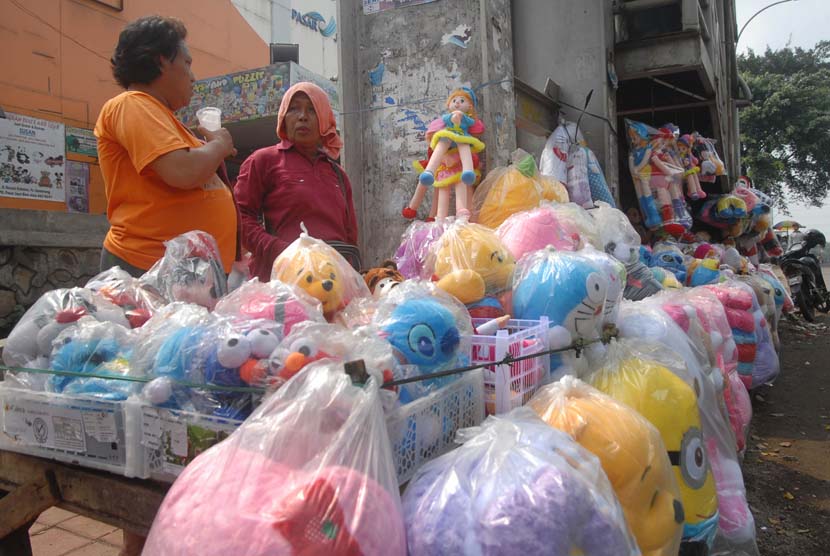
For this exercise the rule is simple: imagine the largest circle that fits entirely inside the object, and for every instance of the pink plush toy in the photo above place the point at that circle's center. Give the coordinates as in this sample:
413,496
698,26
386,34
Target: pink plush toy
535,229
736,524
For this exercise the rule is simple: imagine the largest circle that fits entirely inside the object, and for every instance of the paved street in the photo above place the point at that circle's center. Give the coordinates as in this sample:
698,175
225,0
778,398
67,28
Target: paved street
58,532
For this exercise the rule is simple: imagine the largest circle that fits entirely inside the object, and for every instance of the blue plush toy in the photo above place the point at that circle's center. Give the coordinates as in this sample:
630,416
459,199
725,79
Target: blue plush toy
193,355
669,256
423,333
103,356
565,287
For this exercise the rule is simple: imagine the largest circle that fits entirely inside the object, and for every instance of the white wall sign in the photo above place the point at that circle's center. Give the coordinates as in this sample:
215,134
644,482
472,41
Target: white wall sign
32,158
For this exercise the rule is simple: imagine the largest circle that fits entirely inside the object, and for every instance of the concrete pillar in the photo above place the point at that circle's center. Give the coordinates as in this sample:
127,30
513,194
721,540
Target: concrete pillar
397,68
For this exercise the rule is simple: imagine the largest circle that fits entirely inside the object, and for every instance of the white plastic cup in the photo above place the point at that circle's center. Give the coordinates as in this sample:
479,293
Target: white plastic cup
210,118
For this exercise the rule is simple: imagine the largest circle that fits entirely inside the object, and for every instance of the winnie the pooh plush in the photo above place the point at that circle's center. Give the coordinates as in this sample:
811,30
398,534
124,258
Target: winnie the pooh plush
321,271
471,263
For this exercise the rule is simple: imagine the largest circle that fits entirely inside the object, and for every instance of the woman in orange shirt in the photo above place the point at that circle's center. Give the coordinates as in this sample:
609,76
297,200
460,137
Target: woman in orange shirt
160,180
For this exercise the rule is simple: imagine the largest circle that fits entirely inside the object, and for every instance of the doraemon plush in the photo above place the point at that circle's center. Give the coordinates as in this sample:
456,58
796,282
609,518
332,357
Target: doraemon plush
631,453
516,486
614,272
568,289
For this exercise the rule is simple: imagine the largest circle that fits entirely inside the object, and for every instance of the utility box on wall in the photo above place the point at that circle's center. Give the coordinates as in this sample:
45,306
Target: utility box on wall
399,61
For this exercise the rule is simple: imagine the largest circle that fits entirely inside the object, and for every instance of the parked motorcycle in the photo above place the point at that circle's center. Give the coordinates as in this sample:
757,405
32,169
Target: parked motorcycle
803,271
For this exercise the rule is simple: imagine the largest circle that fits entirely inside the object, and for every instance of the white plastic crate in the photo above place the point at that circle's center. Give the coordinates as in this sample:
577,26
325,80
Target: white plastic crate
510,386
425,429
77,430
168,439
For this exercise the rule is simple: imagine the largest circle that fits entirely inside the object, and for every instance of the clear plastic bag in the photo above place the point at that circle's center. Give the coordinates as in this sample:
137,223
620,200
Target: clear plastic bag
645,376
190,270
619,238
615,275
631,453
711,165
472,264
554,159
578,221
310,472
534,229
508,190
411,255
319,270
600,191
287,305
516,486
429,331
92,347
137,301
578,186
30,342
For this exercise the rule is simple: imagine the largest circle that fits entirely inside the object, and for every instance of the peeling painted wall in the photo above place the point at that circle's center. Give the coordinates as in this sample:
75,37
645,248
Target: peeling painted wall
407,60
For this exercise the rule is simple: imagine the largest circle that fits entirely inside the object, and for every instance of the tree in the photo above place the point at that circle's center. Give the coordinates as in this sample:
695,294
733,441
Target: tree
785,132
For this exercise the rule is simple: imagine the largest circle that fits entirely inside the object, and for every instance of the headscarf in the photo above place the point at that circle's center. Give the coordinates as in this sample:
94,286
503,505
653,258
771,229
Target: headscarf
331,142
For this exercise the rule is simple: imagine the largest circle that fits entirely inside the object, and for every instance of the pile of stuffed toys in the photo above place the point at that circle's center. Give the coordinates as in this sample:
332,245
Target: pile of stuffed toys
629,446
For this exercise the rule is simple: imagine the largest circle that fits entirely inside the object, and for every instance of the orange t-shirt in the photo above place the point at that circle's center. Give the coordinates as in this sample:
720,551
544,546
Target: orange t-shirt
133,130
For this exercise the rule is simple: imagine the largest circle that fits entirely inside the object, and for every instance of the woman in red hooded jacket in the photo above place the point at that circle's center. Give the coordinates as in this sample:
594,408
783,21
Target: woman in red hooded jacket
297,181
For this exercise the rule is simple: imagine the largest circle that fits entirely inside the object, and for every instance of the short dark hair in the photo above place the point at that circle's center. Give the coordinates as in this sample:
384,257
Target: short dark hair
136,58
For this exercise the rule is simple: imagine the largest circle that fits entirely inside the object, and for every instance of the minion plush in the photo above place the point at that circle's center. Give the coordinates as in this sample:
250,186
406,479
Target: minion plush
671,406
631,453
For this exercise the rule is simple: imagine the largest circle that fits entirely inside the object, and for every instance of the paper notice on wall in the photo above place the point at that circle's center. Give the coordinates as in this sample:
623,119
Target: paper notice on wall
81,141
375,6
32,158
150,428
77,190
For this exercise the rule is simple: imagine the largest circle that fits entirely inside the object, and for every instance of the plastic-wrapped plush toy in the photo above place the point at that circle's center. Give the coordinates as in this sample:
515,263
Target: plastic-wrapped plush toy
472,264
691,167
554,159
619,239
736,397
711,165
310,472
453,144
92,347
516,486
577,221
614,272
287,305
416,241
429,331
725,212
596,179
737,303
669,256
531,230
703,271
380,280
631,453
670,404
664,277
319,270
30,342
518,187
190,270
137,301
655,179
567,288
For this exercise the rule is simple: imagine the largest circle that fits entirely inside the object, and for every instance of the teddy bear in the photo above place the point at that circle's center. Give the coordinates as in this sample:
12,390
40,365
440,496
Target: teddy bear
515,486
319,270
472,264
631,453
382,279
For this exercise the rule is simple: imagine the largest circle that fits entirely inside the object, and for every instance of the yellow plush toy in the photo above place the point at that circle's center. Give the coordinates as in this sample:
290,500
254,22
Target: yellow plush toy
472,264
506,191
321,271
671,406
632,454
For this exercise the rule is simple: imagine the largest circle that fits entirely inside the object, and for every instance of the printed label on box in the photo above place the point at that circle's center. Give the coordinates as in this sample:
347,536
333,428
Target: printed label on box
100,425
46,426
